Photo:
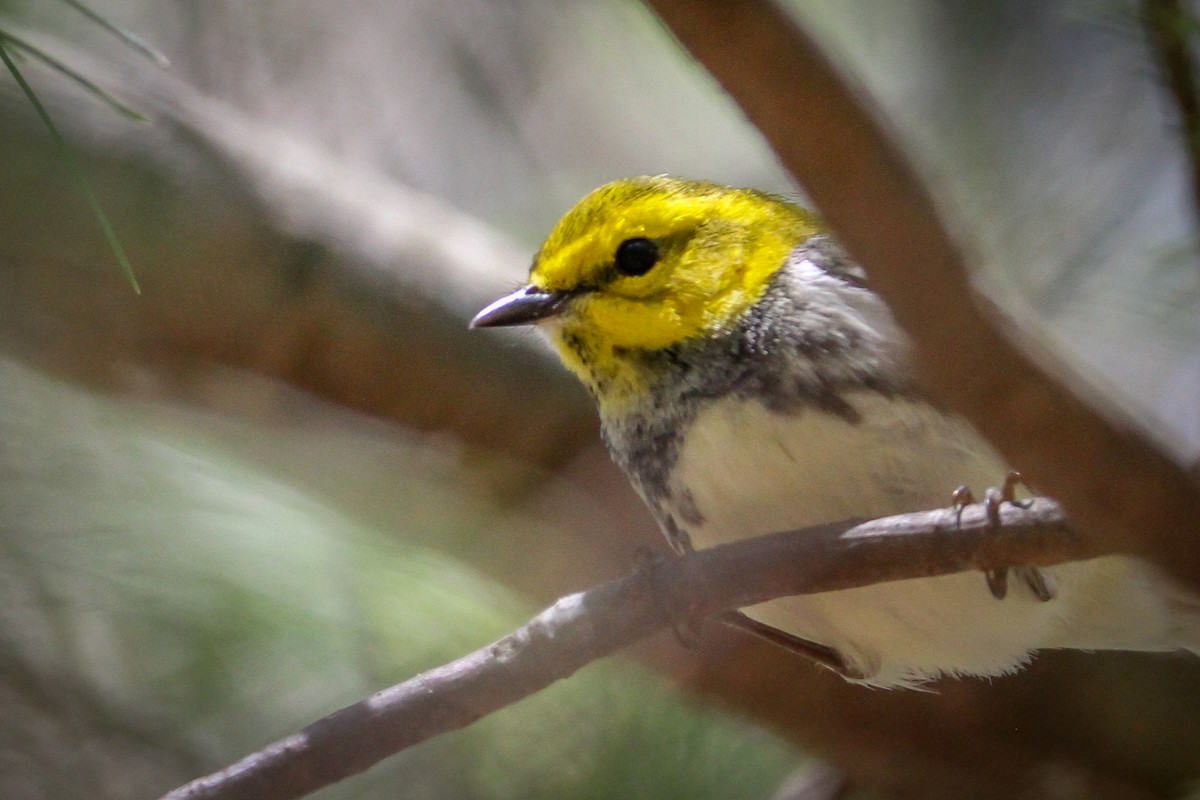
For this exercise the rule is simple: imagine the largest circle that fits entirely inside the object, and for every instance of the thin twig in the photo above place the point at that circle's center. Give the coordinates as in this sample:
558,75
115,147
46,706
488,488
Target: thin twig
1111,480
583,627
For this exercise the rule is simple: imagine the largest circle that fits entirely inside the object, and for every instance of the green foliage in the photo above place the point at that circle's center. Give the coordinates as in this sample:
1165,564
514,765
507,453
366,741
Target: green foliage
10,42
220,607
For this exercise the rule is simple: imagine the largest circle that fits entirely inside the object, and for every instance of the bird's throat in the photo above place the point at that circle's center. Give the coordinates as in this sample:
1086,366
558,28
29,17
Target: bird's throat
619,378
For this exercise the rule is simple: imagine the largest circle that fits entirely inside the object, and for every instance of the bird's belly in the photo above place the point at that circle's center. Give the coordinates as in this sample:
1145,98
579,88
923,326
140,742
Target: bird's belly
746,471
753,471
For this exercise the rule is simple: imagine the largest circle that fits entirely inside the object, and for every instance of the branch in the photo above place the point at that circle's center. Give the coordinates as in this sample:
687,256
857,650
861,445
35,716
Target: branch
1170,27
1112,483
583,627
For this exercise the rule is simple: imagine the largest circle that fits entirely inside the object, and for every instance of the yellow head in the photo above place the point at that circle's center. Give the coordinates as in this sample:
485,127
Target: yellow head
645,263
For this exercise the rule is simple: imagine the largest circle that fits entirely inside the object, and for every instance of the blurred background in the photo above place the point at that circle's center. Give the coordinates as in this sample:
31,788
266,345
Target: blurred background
286,475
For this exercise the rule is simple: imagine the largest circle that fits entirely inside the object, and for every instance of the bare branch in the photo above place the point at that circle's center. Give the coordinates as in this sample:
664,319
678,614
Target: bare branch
583,627
1113,484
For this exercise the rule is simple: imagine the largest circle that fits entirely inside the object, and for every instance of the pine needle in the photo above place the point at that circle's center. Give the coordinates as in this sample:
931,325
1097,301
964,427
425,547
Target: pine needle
127,36
62,68
73,167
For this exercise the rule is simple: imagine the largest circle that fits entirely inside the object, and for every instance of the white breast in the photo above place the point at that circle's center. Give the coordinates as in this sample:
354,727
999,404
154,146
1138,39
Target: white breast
751,471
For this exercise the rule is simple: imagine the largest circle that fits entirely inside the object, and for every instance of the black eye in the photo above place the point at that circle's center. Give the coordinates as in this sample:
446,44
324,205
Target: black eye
636,256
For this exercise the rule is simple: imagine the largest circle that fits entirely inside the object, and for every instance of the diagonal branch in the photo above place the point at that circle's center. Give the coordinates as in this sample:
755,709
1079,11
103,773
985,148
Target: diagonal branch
1113,483
583,627
1170,27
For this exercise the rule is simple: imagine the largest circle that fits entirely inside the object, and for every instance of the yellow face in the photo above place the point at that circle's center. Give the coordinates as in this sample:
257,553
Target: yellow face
645,263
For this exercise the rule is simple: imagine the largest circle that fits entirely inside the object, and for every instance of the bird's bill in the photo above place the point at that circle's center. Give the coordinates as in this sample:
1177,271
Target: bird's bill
525,306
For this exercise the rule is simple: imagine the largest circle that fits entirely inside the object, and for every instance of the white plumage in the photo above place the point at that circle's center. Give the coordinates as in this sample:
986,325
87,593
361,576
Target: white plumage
752,471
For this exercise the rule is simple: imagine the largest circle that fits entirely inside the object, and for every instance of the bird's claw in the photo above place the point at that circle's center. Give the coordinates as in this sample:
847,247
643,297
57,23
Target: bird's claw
1008,493
685,625
997,579
1032,577
960,498
997,582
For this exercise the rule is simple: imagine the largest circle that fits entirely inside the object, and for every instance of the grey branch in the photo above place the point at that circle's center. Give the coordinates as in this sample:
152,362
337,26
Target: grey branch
586,626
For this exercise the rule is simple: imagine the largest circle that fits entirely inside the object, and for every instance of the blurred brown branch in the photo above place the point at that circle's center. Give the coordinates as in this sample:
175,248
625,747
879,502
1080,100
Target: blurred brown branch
583,627
1170,27
1113,483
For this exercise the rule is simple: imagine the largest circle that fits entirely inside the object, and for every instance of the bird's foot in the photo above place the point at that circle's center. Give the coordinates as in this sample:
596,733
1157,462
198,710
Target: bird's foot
685,624
994,498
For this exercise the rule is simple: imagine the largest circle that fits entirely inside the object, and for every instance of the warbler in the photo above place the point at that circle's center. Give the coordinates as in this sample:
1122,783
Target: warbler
748,381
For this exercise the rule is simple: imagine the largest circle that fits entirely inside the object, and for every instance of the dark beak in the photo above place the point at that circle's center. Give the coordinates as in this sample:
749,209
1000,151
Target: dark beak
523,307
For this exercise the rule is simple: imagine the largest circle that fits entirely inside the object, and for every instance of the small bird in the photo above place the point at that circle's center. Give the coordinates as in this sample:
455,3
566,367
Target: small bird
749,382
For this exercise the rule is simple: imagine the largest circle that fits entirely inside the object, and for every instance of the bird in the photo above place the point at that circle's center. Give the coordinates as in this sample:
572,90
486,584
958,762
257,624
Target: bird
749,381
